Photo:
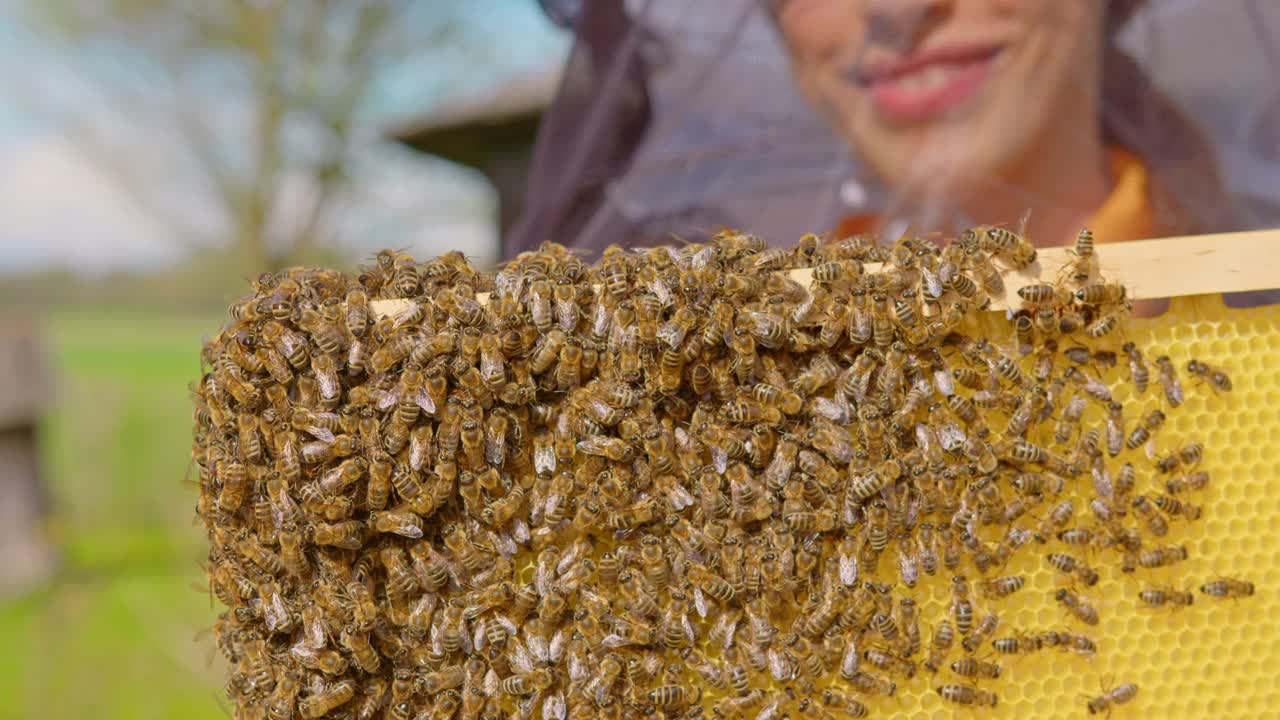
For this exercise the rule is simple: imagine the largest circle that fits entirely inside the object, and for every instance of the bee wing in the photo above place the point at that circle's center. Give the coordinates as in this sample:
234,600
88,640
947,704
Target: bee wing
726,627
1022,222
289,342
313,634
425,401
404,314
494,451
557,645
328,384
568,559
600,320
700,602
848,569
405,524
505,545
418,452
275,613
779,469
1102,481
688,630
437,646
553,707
932,283
851,659
466,639
508,282
613,641
702,259
544,459
679,497
660,291
566,314
521,659
720,459
322,434
520,531
385,399
491,683
479,634
951,436
779,665
302,653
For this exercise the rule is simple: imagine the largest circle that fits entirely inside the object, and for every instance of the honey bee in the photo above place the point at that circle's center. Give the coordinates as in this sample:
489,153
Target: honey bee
1092,387
357,643
1145,509
846,704
967,695
1106,323
234,478
1116,696
889,663
971,667
1021,644
1002,586
1115,428
674,696
327,699
1190,454
986,628
1218,379
1100,294
1142,434
1159,597
1168,376
1174,507
1139,375
961,605
1192,481
1162,556
1069,565
1040,293
1227,588
260,556
940,646
1077,606
1082,266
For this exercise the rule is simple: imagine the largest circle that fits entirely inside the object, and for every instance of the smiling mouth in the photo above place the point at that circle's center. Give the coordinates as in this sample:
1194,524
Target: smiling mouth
924,86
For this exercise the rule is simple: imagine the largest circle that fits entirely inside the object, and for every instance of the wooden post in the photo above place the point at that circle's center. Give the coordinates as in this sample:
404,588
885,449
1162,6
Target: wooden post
25,390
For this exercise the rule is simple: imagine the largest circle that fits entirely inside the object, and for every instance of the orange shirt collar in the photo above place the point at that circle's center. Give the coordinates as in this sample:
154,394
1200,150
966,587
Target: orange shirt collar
1125,214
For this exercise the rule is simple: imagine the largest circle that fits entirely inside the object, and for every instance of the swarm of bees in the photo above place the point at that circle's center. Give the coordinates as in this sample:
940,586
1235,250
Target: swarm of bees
674,482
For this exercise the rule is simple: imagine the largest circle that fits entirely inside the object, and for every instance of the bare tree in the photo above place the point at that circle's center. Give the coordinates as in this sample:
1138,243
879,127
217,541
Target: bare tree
254,107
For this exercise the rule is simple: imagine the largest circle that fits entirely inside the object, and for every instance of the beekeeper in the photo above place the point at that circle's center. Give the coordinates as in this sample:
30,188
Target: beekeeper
789,116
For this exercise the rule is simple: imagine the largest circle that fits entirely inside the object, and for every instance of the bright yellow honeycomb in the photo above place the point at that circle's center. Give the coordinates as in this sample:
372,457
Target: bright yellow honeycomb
1216,659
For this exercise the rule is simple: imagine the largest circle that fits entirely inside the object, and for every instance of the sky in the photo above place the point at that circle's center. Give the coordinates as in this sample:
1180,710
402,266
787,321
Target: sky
61,209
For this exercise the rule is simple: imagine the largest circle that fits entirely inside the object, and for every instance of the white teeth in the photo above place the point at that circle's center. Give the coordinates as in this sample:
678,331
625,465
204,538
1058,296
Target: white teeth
926,79
936,76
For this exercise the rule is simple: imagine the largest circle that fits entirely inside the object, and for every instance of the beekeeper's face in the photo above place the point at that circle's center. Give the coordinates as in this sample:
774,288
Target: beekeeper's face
948,96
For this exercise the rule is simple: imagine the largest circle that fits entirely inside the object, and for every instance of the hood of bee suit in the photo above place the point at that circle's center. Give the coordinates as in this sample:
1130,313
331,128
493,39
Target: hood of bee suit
675,118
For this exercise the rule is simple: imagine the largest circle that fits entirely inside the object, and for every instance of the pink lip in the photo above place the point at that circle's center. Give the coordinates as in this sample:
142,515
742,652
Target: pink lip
967,68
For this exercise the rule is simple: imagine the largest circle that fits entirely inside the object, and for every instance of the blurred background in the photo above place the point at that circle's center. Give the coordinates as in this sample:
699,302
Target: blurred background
154,156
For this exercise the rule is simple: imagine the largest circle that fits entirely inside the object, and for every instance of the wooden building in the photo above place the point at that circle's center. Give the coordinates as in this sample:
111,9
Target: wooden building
492,132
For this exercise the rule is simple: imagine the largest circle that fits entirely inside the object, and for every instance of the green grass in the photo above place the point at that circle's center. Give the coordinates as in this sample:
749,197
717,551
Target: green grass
114,635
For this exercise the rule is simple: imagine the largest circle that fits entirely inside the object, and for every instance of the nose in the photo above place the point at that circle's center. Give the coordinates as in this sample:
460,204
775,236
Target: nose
898,23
